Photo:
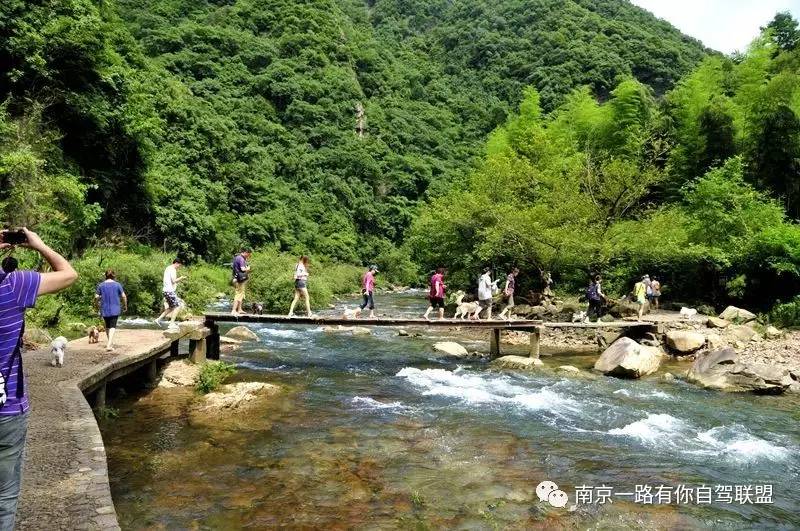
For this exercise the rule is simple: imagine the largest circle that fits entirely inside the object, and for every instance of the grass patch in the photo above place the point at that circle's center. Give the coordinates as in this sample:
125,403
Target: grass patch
107,412
212,374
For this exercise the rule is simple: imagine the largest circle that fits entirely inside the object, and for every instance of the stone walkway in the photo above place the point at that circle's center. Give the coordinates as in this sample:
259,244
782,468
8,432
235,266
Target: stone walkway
65,478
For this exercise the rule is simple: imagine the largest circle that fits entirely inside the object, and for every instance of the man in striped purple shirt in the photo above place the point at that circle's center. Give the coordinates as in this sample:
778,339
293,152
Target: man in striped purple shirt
18,292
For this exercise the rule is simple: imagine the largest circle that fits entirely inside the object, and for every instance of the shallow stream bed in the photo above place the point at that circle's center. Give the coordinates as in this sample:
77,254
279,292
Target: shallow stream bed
380,432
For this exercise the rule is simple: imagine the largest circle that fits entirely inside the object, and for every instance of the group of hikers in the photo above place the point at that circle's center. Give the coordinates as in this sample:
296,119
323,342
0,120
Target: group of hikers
111,299
646,294
486,294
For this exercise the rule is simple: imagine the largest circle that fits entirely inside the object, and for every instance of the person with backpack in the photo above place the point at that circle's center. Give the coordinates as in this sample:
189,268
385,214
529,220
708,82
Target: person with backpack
655,288
241,274
19,291
596,297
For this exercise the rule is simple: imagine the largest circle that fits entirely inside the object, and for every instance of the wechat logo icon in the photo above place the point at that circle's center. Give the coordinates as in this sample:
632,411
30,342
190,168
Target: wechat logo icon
549,492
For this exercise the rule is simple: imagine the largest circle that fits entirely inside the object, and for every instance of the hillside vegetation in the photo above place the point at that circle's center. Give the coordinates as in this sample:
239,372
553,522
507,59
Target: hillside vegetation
198,125
357,132
701,187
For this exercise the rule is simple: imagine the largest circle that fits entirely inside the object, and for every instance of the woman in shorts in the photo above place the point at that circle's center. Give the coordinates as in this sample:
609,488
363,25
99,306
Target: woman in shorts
301,286
436,294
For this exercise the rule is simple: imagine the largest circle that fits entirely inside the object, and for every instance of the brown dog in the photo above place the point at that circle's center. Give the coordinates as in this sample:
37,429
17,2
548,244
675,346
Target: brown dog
94,335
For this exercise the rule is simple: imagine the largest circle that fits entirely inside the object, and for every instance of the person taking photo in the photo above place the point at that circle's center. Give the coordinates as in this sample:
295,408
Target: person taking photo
18,292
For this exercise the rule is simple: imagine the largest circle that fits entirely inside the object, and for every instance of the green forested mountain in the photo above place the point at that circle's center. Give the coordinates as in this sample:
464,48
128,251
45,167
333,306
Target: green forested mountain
197,125
701,187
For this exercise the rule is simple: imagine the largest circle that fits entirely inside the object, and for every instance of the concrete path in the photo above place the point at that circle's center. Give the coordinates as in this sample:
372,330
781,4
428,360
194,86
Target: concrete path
65,478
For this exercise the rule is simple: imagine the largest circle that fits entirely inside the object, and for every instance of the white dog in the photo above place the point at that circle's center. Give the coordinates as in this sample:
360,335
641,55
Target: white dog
465,309
688,313
57,349
580,317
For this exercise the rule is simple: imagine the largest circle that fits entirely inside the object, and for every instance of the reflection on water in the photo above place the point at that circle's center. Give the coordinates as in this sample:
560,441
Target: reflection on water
377,432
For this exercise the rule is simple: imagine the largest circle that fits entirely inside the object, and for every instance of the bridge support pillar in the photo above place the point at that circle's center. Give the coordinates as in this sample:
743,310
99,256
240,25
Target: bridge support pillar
197,350
212,341
494,342
173,348
536,337
152,372
100,396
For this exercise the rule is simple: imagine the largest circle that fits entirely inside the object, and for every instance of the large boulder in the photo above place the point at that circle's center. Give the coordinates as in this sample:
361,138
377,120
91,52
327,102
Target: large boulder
623,308
179,373
517,363
716,322
743,333
242,333
524,310
685,341
732,313
451,348
238,395
626,358
721,370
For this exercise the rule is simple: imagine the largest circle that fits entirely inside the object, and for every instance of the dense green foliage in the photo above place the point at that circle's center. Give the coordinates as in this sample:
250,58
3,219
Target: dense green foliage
212,374
355,131
695,187
197,125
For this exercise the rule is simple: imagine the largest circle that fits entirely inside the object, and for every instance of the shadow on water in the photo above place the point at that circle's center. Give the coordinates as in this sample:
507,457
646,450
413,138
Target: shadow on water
378,432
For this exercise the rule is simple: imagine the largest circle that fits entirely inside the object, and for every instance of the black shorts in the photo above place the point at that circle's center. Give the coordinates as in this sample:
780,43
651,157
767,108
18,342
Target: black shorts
299,283
111,322
437,302
172,299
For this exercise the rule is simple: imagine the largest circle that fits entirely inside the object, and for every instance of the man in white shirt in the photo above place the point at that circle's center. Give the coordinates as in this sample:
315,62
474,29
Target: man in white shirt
172,302
485,294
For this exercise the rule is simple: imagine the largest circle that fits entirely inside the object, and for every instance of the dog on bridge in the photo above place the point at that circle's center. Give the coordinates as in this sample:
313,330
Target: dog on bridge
94,334
257,308
57,349
465,309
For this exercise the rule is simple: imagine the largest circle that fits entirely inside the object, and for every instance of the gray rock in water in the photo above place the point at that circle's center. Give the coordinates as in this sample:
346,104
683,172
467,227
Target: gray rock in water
242,333
721,370
402,332
517,363
732,313
684,341
451,348
628,359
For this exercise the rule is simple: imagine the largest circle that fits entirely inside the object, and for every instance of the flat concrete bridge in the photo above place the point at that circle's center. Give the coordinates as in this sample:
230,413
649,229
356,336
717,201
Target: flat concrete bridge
495,326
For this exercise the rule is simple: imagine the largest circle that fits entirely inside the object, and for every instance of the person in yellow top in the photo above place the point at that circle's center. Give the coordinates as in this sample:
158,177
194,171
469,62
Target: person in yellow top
640,294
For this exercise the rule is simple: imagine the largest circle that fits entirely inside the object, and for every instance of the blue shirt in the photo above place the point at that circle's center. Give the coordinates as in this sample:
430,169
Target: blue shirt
239,264
18,291
110,295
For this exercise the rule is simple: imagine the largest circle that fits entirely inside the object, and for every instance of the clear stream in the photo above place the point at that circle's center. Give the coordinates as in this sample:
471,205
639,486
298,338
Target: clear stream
379,432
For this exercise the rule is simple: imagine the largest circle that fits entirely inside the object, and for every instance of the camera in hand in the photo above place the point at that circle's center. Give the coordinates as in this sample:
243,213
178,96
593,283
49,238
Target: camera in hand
13,237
